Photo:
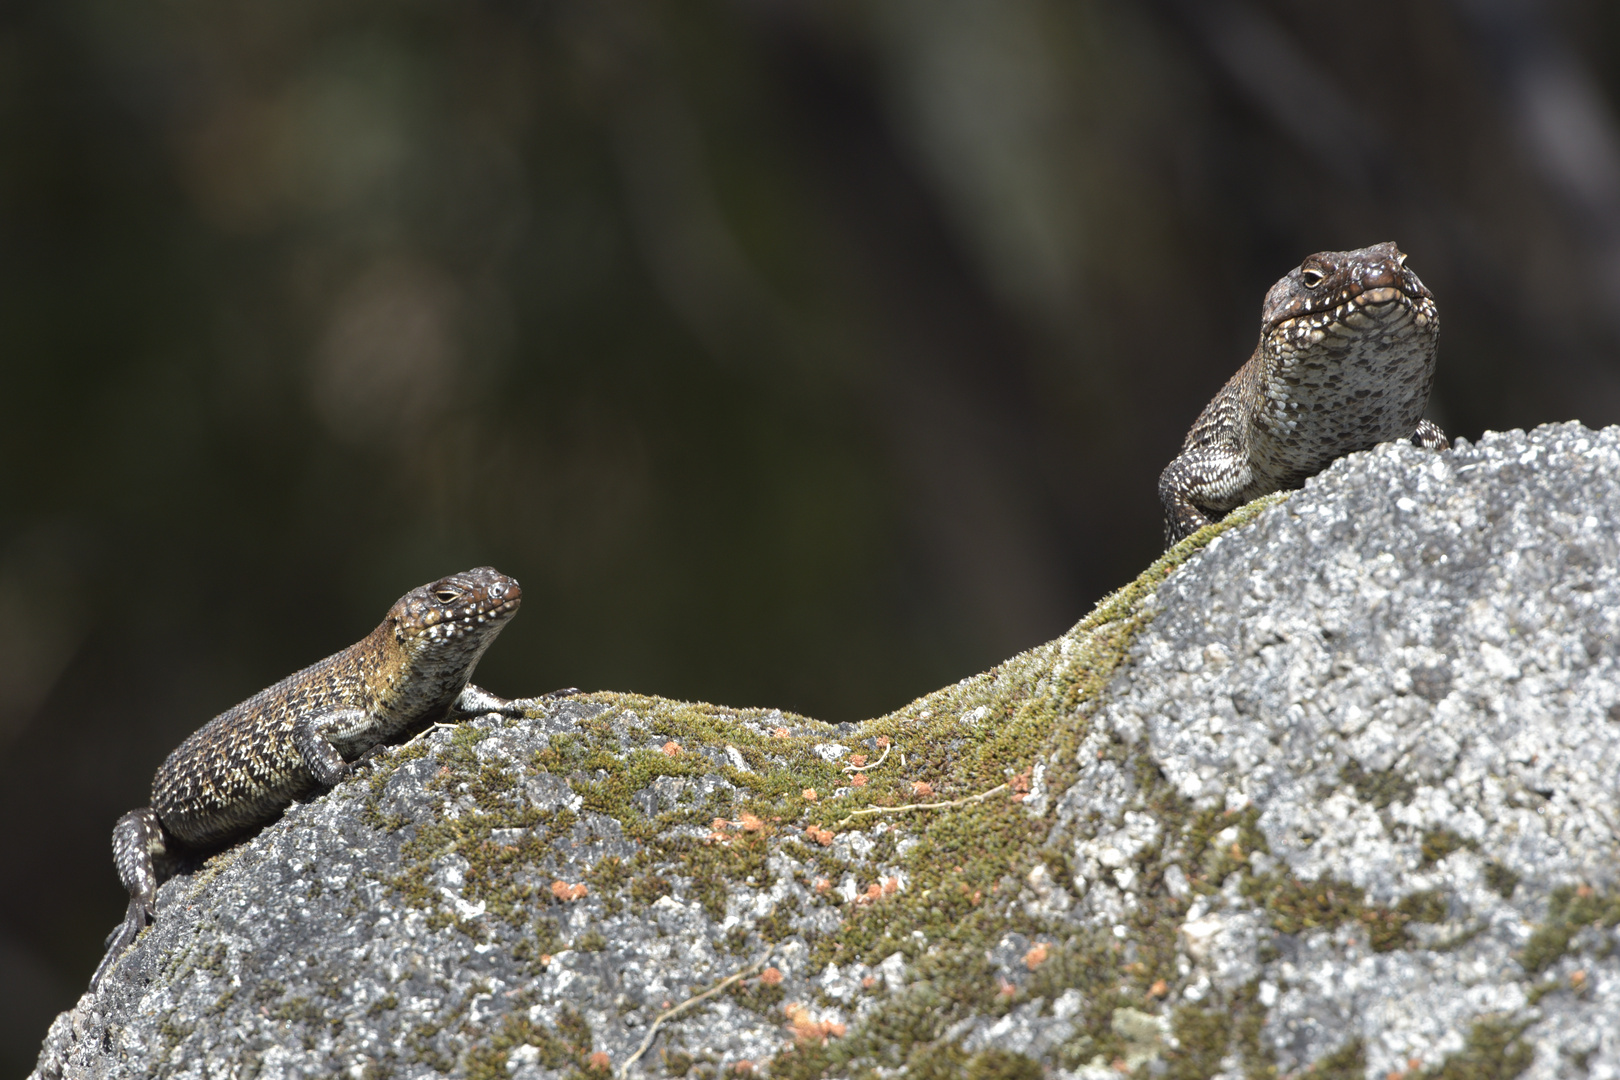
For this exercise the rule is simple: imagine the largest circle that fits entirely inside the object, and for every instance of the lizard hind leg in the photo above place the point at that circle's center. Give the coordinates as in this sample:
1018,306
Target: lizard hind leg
137,839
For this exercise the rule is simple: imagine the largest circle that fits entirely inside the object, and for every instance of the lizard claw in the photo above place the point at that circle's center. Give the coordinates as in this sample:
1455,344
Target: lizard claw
136,917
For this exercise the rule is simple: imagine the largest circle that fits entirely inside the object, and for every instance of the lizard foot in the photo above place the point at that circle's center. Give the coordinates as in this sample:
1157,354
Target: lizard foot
123,936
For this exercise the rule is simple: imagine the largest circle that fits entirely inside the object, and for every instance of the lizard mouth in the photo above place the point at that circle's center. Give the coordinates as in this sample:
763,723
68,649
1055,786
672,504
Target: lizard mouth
1380,303
1388,294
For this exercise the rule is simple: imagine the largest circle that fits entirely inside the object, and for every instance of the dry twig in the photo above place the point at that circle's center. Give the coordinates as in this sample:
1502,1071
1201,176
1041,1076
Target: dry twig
921,806
870,764
670,1014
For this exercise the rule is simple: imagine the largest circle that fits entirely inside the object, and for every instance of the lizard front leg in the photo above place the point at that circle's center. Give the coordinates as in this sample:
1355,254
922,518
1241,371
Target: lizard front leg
138,838
311,739
1194,487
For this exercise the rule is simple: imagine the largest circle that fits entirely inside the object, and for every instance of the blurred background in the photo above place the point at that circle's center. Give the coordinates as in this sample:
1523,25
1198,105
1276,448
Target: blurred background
805,353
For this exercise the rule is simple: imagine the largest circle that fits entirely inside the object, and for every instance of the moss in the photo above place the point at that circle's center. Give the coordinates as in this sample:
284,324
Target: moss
568,1046
1202,1035
758,996
1494,1051
964,865
1438,843
1425,906
173,1034
649,888
1500,879
1249,1016
1348,1062
779,924
1380,787
538,947
299,1010
608,878
1296,906
1569,910
995,1064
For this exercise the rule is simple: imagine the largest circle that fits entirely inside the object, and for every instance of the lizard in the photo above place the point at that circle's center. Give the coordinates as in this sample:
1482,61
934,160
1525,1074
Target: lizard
246,765
1345,361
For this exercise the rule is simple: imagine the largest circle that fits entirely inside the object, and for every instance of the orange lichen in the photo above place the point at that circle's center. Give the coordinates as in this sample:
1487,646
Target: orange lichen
566,892
806,1029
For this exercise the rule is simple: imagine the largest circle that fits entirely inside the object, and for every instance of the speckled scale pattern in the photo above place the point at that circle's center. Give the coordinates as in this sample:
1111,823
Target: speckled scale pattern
1345,361
246,765
243,767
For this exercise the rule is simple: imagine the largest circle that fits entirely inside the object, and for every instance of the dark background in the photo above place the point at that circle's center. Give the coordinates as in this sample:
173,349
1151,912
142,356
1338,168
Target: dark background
808,353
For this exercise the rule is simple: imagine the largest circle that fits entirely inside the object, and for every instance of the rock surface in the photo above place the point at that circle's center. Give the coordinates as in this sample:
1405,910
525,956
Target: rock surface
1335,787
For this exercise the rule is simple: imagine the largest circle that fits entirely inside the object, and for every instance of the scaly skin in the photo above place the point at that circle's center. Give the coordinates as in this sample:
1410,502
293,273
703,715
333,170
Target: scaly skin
245,766
1345,362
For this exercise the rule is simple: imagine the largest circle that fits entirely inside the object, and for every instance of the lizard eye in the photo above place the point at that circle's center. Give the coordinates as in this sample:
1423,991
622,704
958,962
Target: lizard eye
1312,278
446,594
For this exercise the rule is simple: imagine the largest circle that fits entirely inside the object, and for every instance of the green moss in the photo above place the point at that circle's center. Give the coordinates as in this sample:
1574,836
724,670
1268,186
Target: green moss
994,1064
964,865
568,1046
1495,1051
778,925
1297,906
1425,906
649,888
1203,1035
1380,787
608,878
1500,879
758,996
300,1010
1348,1062
1438,843
1569,910
173,1034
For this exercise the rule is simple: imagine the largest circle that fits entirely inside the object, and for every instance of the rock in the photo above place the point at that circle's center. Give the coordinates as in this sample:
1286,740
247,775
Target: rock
1331,785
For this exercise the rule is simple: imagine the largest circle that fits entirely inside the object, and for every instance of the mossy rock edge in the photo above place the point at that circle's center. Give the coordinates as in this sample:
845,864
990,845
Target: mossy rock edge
1145,847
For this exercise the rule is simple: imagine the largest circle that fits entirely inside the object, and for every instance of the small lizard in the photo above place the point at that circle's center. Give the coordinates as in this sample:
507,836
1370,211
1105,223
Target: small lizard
1345,362
245,766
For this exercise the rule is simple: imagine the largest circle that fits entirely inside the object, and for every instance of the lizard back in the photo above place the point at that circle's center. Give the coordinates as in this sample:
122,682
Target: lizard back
243,767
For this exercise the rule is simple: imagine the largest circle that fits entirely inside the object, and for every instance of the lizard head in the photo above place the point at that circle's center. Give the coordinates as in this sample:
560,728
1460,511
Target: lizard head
457,613
1329,284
